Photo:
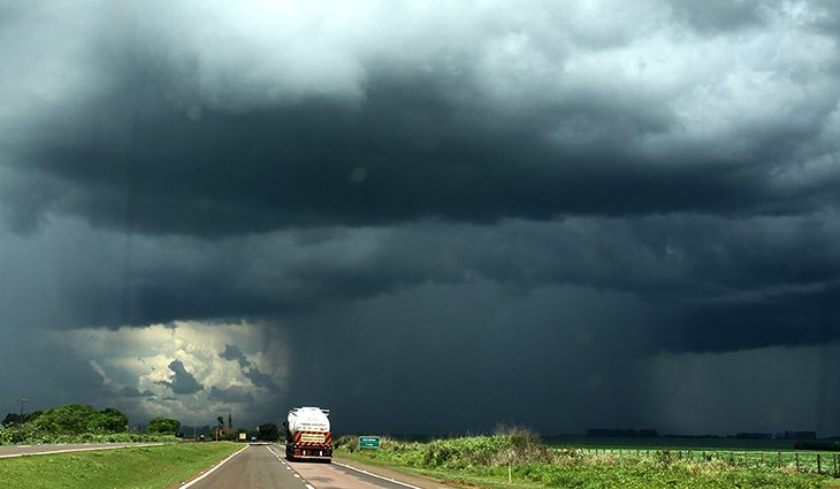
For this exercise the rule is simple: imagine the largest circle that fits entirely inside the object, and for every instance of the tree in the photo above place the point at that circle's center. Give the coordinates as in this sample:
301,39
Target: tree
221,421
12,419
75,419
269,432
165,426
108,420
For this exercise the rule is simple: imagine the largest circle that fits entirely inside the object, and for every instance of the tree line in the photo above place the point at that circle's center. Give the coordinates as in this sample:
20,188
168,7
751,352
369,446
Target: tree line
82,421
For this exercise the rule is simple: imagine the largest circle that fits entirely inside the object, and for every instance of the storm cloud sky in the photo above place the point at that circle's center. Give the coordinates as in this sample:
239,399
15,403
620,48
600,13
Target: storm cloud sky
427,216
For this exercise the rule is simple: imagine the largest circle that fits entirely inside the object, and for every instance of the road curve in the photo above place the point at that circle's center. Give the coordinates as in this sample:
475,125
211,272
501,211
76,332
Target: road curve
10,451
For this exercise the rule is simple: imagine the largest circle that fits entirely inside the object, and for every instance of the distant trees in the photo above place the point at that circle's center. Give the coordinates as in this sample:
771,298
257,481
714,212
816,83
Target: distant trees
74,423
108,420
218,431
164,426
75,419
269,432
622,433
13,419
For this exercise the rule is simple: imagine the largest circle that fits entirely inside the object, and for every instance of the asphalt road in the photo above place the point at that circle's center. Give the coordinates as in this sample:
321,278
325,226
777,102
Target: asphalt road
263,467
22,450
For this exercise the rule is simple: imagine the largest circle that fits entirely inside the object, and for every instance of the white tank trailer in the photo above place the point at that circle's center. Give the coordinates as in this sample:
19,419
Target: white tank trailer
308,434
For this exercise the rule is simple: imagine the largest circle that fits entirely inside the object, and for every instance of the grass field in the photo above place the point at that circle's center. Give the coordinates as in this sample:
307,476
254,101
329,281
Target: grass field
486,462
669,443
132,468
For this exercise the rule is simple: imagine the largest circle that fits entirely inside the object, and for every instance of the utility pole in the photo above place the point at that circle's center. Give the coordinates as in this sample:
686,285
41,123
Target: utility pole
22,402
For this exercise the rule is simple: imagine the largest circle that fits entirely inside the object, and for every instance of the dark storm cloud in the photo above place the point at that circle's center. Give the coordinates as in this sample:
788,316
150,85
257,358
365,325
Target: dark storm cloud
507,205
688,266
181,382
58,374
162,149
239,173
570,357
810,316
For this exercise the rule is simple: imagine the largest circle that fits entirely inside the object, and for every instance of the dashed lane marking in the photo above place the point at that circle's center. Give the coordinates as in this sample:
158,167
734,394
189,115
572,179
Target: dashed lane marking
289,468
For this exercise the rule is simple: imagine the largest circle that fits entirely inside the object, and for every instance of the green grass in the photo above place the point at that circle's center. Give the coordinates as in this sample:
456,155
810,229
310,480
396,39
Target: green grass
31,435
156,467
483,462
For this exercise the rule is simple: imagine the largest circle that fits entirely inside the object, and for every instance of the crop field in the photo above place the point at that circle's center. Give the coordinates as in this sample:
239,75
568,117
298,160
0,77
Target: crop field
519,459
141,468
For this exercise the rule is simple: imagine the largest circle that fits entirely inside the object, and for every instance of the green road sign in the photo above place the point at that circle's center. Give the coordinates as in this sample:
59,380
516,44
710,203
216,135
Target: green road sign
369,442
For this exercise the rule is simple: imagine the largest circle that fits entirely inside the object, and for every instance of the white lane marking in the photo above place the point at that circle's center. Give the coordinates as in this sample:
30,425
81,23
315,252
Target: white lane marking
290,469
213,469
399,483
86,449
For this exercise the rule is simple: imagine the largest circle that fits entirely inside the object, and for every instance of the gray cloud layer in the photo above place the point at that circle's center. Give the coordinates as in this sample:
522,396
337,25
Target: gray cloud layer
515,120
598,186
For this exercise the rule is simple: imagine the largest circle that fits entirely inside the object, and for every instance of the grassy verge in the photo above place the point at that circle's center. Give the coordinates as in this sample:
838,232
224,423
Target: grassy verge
485,461
131,468
448,476
48,438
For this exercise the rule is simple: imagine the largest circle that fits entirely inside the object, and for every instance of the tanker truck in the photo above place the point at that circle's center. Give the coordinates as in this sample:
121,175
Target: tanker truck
308,434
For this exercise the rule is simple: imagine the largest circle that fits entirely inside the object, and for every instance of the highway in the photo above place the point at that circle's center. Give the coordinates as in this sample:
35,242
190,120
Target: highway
23,450
259,467
264,467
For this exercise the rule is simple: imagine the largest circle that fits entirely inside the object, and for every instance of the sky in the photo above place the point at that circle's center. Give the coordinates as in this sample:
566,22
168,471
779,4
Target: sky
429,217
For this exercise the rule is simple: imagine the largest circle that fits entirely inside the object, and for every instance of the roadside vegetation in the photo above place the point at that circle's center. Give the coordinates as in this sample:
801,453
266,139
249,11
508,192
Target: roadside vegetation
517,458
156,467
74,423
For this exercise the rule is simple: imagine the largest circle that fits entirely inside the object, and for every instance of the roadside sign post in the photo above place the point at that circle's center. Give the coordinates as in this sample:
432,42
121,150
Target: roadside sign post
369,442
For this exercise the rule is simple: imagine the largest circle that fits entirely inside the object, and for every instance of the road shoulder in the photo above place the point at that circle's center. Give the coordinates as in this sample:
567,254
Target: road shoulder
207,472
394,474
15,451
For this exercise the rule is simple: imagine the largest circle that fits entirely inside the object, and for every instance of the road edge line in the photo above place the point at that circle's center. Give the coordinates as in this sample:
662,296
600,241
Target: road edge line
213,469
401,483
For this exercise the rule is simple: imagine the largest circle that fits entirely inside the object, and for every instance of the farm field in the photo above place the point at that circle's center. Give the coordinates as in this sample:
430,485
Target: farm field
519,459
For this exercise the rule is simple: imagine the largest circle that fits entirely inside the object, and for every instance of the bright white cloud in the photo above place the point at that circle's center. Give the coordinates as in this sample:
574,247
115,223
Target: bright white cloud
140,358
